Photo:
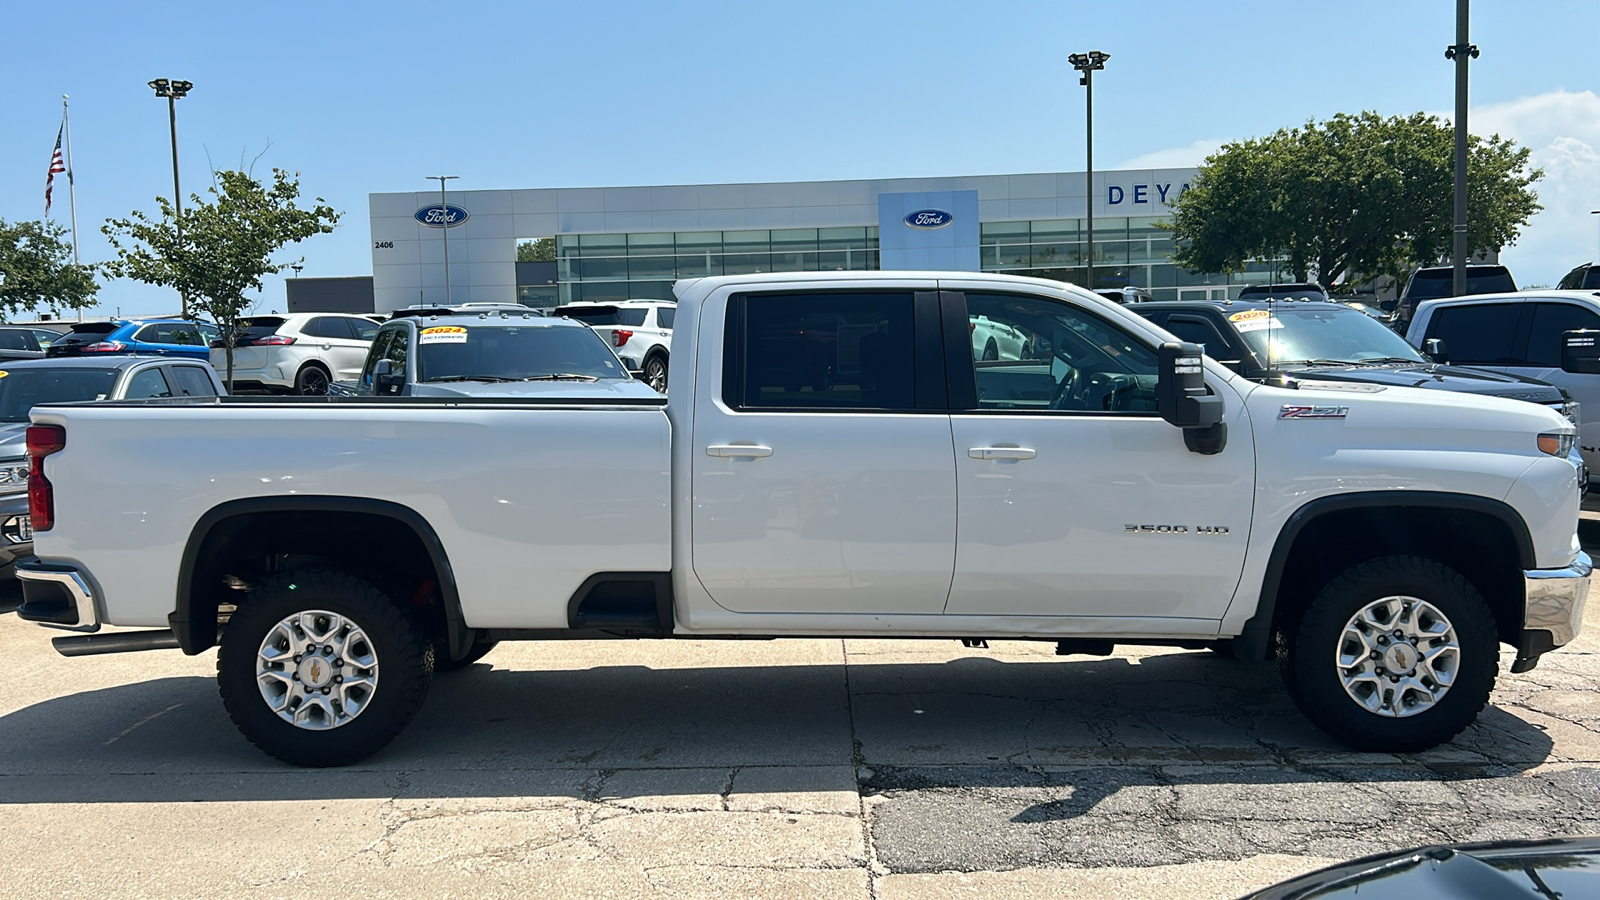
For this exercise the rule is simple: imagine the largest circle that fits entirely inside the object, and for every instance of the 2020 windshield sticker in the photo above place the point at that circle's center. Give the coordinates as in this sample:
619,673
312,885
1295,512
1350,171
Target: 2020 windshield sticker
443,334
1313,412
1254,320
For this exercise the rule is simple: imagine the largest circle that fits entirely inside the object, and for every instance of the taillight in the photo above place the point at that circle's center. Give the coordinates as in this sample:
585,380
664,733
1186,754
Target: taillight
42,440
272,340
620,337
104,347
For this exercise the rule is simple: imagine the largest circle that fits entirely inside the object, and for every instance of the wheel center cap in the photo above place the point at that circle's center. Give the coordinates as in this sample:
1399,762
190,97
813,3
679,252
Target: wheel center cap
1400,657
315,671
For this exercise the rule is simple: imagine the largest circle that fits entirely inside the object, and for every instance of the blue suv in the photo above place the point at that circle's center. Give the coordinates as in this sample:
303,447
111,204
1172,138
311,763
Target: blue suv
162,337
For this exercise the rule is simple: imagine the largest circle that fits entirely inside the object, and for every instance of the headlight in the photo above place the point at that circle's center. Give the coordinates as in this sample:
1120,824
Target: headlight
1570,409
1559,445
13,477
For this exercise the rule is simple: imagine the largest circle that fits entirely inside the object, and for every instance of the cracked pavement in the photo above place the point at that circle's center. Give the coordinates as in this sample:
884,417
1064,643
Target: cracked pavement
826,768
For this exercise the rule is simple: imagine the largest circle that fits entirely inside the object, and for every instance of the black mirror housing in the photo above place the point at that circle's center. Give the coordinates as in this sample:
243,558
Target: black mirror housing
1181,394
385,378
1580,351
1436,350
1184,400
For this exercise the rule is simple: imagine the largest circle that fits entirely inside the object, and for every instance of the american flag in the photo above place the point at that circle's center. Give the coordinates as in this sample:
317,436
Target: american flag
57,164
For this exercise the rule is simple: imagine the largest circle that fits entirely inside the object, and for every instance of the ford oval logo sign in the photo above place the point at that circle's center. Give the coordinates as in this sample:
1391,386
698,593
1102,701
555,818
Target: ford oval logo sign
446,216
928,219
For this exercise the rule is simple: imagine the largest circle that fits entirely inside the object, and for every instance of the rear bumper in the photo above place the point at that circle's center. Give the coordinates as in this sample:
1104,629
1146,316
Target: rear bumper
1553,606
55,594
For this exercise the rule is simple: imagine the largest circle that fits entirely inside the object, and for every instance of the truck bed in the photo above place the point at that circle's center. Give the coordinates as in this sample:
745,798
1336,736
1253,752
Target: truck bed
560,489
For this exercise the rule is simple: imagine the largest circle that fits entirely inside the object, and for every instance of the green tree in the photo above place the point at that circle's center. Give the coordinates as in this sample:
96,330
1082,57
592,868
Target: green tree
540,250
228,244
1353,197
36,261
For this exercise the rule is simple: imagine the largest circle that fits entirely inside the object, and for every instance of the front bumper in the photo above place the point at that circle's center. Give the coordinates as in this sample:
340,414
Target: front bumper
1552,608
55,594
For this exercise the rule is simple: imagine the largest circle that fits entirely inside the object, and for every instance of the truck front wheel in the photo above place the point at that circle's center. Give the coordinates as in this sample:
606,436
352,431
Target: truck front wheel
319,668
1394,655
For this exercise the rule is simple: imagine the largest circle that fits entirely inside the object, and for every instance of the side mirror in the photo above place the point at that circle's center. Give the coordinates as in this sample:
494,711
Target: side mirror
1184,401
385,378
1436,350
1580,351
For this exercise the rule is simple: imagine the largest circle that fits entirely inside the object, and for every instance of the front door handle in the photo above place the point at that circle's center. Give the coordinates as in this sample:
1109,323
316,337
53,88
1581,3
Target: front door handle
738,451
1001,453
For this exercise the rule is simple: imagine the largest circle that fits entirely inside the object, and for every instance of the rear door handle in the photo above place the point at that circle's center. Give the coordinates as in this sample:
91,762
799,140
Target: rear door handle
1001,453
738,451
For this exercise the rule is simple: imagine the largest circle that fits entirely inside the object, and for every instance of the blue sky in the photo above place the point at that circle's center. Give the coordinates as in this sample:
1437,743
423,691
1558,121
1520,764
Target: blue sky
368,97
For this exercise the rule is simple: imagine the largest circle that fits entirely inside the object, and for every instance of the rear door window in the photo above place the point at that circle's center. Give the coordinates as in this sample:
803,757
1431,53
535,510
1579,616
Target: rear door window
664,316
1544,336
148,383
14,339
329,327
821,351
193,381
1479,335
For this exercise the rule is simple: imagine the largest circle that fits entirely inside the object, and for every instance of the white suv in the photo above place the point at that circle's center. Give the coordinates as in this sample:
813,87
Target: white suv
1520,334
640,331
300,352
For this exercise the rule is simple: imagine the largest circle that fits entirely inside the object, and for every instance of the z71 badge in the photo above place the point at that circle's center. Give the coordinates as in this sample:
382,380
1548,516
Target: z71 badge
1313,412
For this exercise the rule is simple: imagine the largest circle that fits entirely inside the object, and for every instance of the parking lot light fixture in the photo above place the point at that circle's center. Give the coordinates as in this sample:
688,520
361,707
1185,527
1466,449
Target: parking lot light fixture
1086,64
175,90
444,230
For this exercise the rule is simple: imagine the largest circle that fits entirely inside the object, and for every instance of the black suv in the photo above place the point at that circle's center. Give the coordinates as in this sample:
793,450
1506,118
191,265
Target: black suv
1435,282
1302,290
1584,278
1314,340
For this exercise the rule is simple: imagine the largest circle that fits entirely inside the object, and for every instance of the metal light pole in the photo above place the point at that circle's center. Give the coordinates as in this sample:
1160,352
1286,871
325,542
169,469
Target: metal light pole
444,231
1462,51
1595,212
175,90
1087,63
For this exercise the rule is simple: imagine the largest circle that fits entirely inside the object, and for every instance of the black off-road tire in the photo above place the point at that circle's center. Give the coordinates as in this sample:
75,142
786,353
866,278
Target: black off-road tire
404,659
443,663
1312,677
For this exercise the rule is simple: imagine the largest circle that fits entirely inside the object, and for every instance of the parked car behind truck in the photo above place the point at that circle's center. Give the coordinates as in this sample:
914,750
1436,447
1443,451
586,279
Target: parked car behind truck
1114,486
25,384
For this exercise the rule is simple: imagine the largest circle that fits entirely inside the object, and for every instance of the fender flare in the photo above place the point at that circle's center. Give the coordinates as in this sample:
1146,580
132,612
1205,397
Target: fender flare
1251,644
197,636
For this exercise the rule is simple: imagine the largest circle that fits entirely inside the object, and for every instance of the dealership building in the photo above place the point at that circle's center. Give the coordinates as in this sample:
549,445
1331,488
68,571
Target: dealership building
616,243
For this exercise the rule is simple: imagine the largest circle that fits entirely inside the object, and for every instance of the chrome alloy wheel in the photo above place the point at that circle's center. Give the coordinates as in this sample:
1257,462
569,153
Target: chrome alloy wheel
317,670
1398,656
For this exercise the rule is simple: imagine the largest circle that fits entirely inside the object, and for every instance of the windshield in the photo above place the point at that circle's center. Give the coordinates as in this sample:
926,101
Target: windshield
23,389
513,353
604,315
1431,284
1335,334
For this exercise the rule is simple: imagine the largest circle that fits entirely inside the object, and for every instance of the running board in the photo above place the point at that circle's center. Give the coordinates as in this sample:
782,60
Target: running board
121,642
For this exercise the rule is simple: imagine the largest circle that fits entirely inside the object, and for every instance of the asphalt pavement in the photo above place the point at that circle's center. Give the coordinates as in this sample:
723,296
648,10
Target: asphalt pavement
881,769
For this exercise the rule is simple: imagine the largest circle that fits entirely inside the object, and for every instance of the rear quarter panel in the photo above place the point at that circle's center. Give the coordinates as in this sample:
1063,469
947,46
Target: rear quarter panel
527,501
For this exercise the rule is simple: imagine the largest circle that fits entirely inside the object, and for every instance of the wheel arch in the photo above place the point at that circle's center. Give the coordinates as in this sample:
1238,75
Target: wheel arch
1330,534
249,525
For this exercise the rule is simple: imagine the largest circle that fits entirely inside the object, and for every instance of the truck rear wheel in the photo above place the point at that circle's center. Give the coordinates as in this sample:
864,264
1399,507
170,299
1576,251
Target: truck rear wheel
1394,655
319,668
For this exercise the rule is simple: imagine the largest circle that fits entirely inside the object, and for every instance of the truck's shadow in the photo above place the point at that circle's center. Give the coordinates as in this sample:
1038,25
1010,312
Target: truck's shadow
1086,728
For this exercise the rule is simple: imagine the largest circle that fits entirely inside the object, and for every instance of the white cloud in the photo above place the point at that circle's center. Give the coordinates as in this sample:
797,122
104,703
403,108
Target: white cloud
1562,128
1175,157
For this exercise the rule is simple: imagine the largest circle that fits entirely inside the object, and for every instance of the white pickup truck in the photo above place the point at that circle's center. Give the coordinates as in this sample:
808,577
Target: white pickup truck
833,461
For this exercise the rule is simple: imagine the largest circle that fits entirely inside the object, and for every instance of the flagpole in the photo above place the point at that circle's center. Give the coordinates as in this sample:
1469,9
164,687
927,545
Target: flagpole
72,193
